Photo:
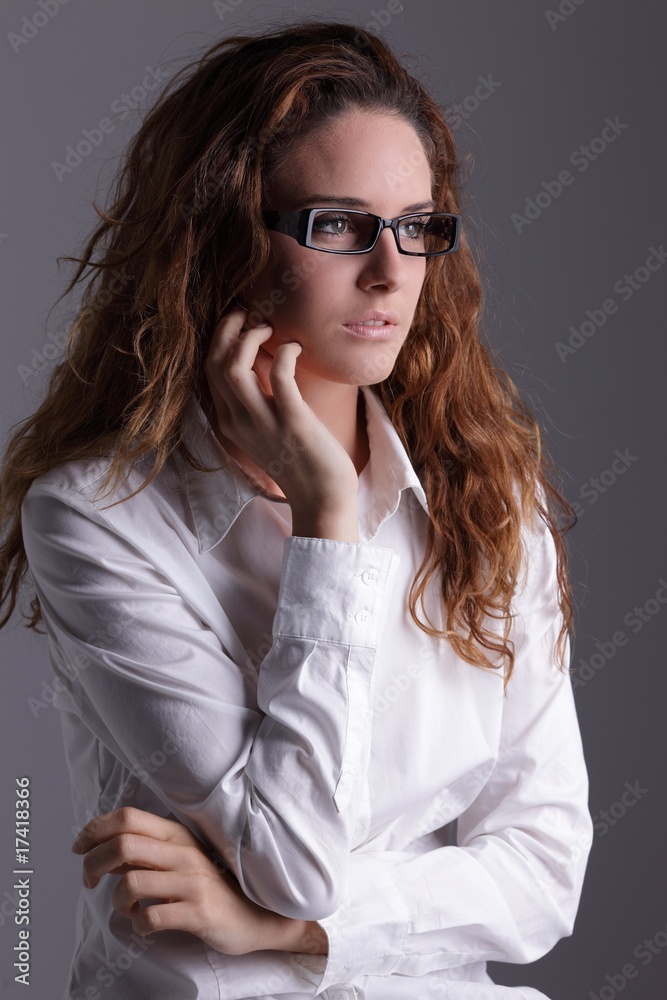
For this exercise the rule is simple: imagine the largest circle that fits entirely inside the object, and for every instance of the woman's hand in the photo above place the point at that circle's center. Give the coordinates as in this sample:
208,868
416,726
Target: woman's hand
161,859
260,410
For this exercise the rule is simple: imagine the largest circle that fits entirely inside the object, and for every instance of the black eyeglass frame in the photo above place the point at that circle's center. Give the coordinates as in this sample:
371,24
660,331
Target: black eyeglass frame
299,225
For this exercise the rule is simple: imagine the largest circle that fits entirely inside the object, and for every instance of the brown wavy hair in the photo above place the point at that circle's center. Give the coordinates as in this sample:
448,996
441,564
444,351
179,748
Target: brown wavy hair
182,238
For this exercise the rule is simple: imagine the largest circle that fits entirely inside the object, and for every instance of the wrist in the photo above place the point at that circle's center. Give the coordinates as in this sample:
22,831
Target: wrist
314,940
304,936
342,525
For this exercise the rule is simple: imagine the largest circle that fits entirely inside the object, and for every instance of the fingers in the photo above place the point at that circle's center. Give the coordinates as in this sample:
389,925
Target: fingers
132,850
183,907
229,407
128,819
183,887
199,903
167,917
283,385
138,885
238,372
247,386
228,331
232,355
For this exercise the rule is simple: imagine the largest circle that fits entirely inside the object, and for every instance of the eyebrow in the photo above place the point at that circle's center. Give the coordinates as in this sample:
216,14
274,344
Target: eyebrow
359,203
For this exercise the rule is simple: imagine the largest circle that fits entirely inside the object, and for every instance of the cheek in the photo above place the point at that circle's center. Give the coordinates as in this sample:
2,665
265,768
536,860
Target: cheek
301,286
420,276
301,308
266,293
418,285
285,284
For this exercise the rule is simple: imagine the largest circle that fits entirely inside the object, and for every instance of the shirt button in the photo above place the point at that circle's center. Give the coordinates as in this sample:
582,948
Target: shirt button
370,576
362,618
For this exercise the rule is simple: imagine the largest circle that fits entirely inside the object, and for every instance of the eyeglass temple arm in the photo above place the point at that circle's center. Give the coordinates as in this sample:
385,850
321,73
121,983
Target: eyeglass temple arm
291,223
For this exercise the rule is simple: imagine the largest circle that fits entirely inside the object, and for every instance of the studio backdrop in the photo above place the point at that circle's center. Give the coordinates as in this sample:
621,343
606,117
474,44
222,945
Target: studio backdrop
560,111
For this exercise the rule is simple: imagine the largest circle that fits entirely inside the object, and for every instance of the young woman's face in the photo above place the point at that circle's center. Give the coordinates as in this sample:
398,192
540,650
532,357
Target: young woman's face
308,296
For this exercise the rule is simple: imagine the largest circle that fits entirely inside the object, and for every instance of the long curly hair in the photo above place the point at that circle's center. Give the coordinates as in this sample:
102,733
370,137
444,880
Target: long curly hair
181,240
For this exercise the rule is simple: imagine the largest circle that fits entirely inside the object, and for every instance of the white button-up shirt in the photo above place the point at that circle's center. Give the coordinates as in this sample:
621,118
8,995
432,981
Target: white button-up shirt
272,692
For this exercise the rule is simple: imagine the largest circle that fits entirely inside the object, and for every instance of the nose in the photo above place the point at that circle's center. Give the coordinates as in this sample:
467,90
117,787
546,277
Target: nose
383,265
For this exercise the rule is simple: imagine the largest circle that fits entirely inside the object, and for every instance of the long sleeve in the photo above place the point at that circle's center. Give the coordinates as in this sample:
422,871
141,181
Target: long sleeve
510,888
273,790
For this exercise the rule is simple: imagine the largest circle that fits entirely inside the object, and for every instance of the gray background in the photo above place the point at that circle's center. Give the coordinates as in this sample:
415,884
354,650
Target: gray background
554,84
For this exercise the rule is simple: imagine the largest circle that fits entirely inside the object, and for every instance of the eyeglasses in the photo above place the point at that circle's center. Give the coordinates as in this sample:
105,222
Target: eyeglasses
334,230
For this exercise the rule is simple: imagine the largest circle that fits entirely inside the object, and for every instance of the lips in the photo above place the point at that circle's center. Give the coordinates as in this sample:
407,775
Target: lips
374,315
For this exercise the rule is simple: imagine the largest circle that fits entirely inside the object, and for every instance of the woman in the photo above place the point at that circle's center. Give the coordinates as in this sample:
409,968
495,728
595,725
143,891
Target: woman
290,780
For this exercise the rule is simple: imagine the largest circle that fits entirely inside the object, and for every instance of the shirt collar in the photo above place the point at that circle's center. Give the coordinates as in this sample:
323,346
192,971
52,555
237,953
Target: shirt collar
217,498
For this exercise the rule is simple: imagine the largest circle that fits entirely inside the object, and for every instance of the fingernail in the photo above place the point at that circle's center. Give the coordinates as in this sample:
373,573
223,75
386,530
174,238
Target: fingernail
77,847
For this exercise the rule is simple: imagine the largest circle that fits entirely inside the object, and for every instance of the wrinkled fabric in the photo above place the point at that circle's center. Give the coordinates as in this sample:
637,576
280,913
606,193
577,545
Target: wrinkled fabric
273,693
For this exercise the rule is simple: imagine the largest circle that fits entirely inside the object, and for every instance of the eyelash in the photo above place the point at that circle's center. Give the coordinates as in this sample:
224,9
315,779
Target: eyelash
327,220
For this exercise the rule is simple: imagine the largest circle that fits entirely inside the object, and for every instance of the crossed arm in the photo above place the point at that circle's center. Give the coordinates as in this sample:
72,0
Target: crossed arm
161,859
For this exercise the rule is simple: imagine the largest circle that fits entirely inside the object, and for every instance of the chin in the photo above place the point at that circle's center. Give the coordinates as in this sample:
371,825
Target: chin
359,375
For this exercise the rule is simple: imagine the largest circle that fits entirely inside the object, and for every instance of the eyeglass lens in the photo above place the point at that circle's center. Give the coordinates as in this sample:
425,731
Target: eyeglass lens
340,230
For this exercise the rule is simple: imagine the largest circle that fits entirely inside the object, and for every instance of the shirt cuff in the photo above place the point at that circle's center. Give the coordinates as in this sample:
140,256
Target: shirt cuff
333,591
359,924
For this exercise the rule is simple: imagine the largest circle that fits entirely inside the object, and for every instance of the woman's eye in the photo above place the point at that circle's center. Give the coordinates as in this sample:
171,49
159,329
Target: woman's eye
332,225
413,230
